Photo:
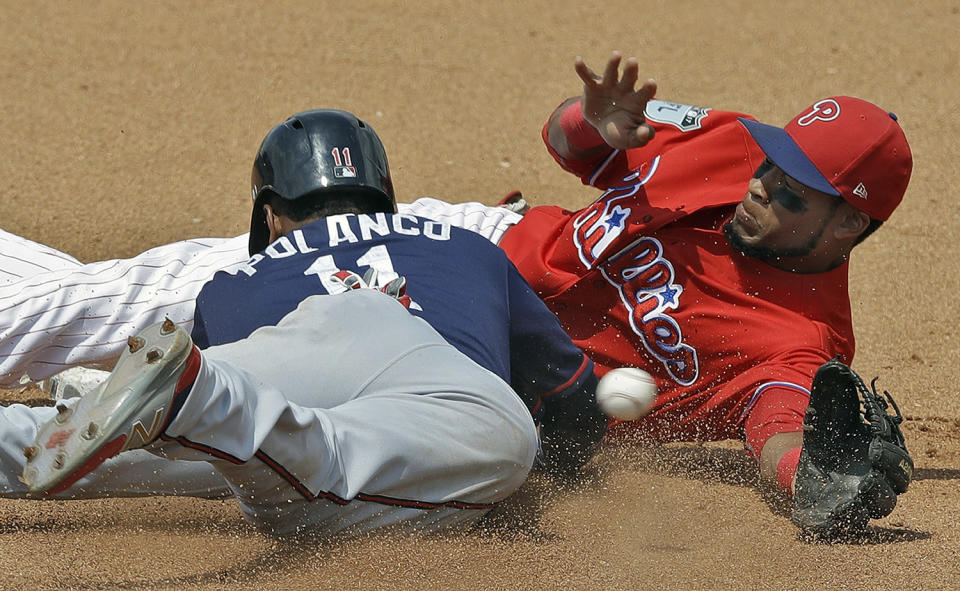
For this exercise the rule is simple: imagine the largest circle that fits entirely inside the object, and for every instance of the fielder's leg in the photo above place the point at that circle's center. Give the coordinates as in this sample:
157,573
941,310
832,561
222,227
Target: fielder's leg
488,221
21,258
84,315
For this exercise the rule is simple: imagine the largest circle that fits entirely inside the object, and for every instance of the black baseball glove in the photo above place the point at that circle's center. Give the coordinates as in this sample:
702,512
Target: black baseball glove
854,460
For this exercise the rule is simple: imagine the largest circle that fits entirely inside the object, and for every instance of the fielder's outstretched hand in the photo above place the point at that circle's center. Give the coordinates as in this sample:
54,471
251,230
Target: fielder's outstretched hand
613,103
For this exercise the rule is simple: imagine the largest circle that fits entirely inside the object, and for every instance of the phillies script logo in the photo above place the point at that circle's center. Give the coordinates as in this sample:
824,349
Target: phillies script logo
600,224
597,226
645,281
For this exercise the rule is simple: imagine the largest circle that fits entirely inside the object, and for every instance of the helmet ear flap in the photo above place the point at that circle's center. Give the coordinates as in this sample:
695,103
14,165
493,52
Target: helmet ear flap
259,230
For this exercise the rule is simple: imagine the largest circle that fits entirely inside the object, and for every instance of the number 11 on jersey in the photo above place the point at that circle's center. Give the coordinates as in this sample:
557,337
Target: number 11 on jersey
377,257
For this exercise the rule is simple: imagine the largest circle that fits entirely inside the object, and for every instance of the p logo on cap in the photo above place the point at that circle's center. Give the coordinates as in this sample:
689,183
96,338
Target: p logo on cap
825,110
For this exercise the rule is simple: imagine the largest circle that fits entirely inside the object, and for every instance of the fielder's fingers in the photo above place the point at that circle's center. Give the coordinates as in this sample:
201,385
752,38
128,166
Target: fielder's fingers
631,70
586,74
644,134
612,73
649,88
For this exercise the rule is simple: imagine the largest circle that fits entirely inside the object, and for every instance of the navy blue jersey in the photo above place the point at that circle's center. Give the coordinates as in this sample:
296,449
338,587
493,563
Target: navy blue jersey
460,283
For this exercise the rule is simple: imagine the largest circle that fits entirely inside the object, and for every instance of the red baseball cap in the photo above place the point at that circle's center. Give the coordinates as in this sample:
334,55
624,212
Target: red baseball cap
842,146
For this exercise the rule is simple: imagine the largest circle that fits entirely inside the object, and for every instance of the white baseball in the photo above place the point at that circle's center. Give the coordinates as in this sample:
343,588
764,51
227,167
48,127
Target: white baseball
626,393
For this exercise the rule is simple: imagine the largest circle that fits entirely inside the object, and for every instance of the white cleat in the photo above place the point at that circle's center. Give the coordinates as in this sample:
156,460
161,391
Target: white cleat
129,410
73,382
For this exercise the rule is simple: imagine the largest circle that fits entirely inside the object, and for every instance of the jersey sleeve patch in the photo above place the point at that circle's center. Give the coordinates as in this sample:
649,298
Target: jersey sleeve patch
683,117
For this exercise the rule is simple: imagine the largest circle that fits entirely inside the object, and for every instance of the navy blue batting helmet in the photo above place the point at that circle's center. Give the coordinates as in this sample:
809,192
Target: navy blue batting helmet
314,152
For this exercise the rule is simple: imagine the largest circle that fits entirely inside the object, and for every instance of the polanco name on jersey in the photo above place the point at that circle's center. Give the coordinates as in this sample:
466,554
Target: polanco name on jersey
351,228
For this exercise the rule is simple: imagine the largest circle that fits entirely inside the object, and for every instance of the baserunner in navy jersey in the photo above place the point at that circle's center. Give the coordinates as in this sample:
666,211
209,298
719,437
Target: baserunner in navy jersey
332,409
460,283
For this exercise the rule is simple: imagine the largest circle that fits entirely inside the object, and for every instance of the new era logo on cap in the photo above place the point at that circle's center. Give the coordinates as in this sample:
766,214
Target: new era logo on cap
843,146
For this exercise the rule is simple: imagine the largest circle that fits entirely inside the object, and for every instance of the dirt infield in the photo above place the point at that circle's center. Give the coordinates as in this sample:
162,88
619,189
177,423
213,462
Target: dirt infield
126,125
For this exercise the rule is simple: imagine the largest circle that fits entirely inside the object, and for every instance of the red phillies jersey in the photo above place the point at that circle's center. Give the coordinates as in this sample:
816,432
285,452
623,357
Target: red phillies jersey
645,277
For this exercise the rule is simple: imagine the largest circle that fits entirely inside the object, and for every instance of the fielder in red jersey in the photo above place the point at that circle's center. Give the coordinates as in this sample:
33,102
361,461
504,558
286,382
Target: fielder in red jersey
716,258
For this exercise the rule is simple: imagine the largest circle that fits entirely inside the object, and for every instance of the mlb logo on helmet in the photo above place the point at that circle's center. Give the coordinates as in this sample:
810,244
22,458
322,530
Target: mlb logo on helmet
843,146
